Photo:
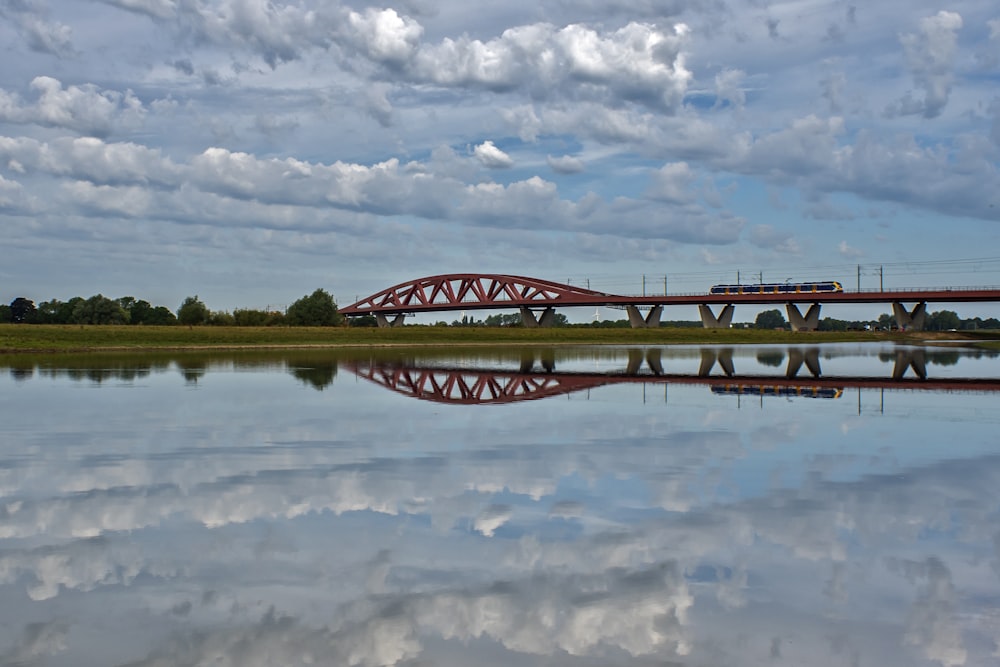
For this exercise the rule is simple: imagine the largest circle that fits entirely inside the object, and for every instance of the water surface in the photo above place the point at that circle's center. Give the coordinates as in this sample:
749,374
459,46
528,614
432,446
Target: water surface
832,505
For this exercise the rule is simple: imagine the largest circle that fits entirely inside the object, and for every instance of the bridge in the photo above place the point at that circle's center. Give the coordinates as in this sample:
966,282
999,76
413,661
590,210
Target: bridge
537,300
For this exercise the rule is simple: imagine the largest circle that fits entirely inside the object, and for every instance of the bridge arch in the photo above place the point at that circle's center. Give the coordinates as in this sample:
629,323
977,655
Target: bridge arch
471,291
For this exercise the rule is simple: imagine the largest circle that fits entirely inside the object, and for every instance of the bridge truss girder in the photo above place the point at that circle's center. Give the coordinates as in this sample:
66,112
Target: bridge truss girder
461,291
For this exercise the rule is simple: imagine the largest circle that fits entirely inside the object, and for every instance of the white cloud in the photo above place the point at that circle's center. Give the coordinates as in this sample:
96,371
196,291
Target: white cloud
491,518
637,62
13,197
161,9
85,108
370,100
729,88
41,34
565,164
673,183
92,159
930,57
277,32
848,251
386,36
767,236
492,157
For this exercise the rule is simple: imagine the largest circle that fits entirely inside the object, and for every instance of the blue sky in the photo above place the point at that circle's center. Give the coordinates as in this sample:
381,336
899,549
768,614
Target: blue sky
250,151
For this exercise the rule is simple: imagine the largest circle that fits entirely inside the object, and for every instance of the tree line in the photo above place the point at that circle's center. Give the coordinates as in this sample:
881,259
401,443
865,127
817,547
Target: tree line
942,320
316,309
319,309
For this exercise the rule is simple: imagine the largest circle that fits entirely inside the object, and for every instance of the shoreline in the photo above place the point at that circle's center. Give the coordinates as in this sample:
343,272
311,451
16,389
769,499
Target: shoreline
21,339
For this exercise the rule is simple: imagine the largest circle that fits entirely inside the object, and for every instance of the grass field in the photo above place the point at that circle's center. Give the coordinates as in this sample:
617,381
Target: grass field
75,338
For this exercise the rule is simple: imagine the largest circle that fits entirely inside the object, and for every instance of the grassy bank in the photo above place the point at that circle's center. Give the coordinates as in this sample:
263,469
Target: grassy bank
74,338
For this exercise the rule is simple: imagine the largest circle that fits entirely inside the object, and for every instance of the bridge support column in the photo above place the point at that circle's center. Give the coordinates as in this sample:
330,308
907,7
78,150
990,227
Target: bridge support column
912,320
529,320
651,321
384,322
809,322
710,321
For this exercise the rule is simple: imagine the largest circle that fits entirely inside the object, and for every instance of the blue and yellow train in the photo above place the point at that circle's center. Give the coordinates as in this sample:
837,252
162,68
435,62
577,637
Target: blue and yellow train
779,288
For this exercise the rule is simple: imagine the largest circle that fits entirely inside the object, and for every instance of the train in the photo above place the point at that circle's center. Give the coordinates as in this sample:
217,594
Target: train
780,288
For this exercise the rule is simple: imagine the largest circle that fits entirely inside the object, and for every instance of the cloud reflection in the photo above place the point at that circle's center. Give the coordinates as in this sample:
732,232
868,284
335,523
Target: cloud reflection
574,532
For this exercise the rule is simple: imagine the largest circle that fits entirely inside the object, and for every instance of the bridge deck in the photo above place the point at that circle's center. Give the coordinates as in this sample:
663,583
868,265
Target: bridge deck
574,299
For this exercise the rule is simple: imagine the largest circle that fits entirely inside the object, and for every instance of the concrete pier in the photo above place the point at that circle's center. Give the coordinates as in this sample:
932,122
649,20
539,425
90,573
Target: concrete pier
384,322
650,321
710,321
910,320
529,320
798,322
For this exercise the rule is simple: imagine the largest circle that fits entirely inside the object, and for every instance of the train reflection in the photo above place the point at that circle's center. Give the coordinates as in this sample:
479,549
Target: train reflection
536,376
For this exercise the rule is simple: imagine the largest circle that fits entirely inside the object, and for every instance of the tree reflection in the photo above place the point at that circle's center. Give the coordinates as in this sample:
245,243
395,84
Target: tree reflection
318,376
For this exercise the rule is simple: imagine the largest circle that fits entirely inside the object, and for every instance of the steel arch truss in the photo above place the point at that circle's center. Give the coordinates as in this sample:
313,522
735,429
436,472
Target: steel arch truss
470,291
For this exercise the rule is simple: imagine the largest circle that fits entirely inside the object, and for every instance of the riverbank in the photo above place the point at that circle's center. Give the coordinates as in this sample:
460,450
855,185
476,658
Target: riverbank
93,338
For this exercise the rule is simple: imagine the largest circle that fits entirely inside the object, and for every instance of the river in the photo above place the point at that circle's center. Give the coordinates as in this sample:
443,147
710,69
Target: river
683,505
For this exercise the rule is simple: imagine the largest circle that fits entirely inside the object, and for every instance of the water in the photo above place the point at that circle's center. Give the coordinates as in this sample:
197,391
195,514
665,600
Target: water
835,505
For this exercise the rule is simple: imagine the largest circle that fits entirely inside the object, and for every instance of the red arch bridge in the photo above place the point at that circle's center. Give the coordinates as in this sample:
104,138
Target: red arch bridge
538,299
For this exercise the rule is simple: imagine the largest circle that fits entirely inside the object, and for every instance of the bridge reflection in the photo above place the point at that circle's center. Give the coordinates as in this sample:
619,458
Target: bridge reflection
536,376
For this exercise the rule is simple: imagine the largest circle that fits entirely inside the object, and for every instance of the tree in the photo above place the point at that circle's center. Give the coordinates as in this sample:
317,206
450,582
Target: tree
770,319
370,321
22,310
316,310
5,315
192,311
831,324
160,316
248,317
138,311
221,319
58,312
943,320
560,320
503,320
887,322
98,309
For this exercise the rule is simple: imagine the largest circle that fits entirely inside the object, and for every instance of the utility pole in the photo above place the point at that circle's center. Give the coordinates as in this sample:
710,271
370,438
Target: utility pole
664,285
859,277
644,284
881,288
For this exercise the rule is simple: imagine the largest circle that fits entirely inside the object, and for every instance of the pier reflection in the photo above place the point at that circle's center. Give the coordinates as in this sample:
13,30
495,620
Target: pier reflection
537,374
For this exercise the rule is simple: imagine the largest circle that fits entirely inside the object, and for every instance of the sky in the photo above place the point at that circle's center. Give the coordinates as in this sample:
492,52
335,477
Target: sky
250,152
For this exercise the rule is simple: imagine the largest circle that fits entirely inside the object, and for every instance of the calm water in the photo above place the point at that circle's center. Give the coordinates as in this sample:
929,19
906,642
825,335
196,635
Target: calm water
579,506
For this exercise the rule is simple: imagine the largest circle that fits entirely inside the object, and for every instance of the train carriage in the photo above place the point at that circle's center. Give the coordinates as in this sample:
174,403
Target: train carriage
780,288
